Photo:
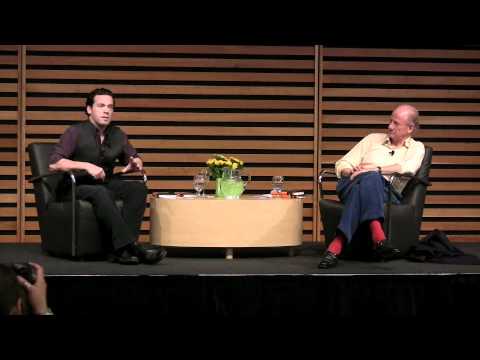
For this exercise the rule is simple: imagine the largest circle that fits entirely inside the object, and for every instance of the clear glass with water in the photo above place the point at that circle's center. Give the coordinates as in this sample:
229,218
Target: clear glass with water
277,183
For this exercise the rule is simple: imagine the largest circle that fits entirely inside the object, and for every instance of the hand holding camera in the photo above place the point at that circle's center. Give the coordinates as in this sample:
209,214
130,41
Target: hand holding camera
26,271
31,277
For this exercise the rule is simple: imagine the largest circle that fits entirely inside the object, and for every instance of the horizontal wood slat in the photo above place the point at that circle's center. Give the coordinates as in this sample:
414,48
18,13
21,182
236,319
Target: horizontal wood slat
8,198
383,120
188,130
387,106
421,133
8,238
180,158
119,116
401,53
176,103
169,76
173,89
211,144
176,117
401,93
401,80
400,66
178,49
438,146
171,62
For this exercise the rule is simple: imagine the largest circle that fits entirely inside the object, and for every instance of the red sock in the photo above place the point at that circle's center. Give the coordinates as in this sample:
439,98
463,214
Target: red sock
336,245
378,235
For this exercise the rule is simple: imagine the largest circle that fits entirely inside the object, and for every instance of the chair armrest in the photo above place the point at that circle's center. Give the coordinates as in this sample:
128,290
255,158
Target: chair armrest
409,176
324,173
41,176
143,173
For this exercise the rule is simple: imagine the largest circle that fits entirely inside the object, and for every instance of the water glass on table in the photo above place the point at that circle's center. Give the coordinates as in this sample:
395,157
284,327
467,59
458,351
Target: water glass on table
200,182
277,183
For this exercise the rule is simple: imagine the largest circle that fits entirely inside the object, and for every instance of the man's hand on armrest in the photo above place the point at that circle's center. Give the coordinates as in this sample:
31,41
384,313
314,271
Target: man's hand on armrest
68,165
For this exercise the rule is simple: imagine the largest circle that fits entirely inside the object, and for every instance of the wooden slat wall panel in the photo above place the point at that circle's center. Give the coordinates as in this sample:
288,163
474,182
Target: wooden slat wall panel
362,86
8,143
181,104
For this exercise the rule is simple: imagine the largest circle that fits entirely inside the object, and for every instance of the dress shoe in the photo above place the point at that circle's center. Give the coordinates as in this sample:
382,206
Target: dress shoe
383,252
328,260
149,254
123,257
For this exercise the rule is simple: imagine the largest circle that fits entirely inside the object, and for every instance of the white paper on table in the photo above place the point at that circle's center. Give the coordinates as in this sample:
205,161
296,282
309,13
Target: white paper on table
167,196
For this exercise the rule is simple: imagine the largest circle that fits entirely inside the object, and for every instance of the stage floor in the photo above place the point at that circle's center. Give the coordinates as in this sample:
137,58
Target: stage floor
257,282
246,262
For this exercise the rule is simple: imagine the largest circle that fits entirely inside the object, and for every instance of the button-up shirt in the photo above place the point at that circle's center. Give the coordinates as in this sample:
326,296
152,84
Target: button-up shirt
81,142
377,150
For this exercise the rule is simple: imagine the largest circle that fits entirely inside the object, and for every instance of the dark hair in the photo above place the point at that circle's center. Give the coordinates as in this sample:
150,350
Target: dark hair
91,96
10,290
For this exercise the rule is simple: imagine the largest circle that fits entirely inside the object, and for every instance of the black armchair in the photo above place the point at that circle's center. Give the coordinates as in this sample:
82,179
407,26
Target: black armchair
402,221
67,228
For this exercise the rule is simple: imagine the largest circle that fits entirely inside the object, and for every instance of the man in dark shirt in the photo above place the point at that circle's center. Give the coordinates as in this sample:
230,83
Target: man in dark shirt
94,146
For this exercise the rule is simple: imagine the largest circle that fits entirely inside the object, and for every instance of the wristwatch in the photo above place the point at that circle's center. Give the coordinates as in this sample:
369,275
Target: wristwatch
379,169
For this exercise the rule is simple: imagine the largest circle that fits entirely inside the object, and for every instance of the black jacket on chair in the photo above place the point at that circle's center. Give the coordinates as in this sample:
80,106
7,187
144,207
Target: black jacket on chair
404,221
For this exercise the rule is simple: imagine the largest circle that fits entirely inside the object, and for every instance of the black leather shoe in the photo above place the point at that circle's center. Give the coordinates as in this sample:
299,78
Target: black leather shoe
124,258
149,254
383,252
328,260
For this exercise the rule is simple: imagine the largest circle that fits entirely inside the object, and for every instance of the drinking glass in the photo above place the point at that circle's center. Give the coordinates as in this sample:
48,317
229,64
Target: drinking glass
277,182
199,183
205,172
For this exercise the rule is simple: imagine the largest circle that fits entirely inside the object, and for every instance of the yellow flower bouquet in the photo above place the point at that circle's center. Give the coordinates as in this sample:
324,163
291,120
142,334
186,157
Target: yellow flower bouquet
222,169
219,161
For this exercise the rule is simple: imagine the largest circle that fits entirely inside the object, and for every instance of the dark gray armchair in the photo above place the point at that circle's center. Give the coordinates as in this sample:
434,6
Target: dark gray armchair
402,221
67,228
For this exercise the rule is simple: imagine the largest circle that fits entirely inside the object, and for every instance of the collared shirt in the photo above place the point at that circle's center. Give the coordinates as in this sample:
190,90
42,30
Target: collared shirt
377,150
81,142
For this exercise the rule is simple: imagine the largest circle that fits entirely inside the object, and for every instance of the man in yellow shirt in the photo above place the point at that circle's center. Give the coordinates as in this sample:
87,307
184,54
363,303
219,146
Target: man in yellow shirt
363,182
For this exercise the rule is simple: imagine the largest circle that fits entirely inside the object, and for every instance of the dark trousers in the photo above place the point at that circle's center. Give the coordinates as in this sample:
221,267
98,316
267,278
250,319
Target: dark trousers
124,225
363,199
